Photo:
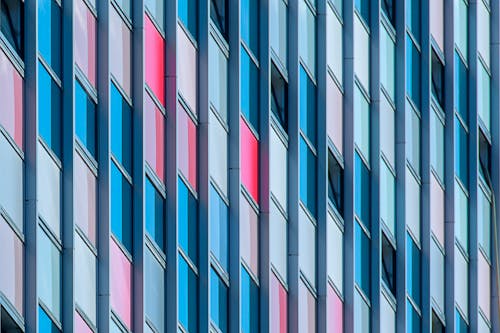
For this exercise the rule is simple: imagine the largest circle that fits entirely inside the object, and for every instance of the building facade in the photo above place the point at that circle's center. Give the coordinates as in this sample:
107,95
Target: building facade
249,166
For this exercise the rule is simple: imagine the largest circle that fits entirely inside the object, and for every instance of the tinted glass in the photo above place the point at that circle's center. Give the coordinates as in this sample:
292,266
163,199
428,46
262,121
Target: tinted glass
249,86
461,88
45,324
413,270
308,186
49,110
155,215
188,222
461,154
362,191
219,15
362,261
49,33
437,83
413,324
363,8
413,17
188,13
279,97
121,129
335,182
249,304
413,72
307,107
156,8
188,297
12,23
389,9
219,228
460,324
218,302
249,24
388,265
85,119
121,208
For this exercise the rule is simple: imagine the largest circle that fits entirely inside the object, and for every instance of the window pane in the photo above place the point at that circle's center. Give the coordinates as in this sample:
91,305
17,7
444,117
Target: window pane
413,18
219,229
483,31
437,22
461,281
249,233
279,97
125,6
389,9
120,39
388,265
249,90
307,247
361,52
437,79
307,310
361,315
85,119
334,113
278,306
80,325
156,8
219,13
307,107
413,138
188,297
187,146
413,73
85,25
279,170
308,185
461,87
437,210
387,316
218,152
362,123
154,297
484,221
188,13
362,191
49,33
437,146
249,160
460,324
461,217
335,320
154,47
387,131
335,253
155,137
85,279
49,274
218,302
279,234
461,23
484,151
362,261
121,129
387,63
12,263
249,304
461,154
437,275
155,215
279,29
484,286
187,69
218,75
49,110
188,222
335,183
388,197
12,24
437,325
45,324
334,43
49,189
85,199
483,99
413,271
363,9
121,208
249,25
413,324
412,205
12,183
307,37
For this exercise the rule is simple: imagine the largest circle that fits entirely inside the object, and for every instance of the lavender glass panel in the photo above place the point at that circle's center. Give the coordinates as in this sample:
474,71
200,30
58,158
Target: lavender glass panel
11,263
437,27
187,153
278,304
278,252
49,190
187,69
437,210
121,284
484,286
11,95
120,52
85,48
335,312
334,113
85,279
80,325
249,235
48,273
11,182
307,247
155,137
387,316
85,199
307,310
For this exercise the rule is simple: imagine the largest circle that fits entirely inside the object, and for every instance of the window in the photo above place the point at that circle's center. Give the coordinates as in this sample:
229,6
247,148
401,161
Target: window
12,183
412,204
249,236
279,97
460,324
85,41
155,215
154,298
483,30
437,267
249,160
279,29
362,318
484,158
308,186
154,121
413,271
461,153
49,110
188,297
217,73
436,17
85,119
307,247
49,33
484,212
413,18
187,70
334,114
218,139
187,146
49,188
12,283
157,11
437,209
120,284
362,53
120,39
334,52
154,49
437,146
335,320
278,306
437,325
188,13
249,304
387,62
387,314
219,10
363,8
335,182
413,324
413,72
12,24
278,232
483,98
413,138
388,265
219,225
461,88
362,191
461,217
121,129
387,131
437,82
461,23
121,207
218,302
307,37
125,6
362,270
45,324
278,179
85,272
188,222
249,87
389,9
249,25
307,107
307,309
49,274
388,197
362,123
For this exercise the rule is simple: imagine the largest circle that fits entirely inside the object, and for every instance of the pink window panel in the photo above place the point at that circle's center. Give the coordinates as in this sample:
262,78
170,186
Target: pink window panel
437,21
155,61
187,69
11,263
484,286
80,325
85,40
437,210
249,231
187,152
278,306
335,312
307,309
11,99
334,112
121,284
249,152
85,199
120,53
155,137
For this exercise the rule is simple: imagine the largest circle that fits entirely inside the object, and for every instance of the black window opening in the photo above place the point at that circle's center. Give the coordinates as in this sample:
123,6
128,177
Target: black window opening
12,23
219,14
389,9
437,79
388,265
335,182
279,97
484,151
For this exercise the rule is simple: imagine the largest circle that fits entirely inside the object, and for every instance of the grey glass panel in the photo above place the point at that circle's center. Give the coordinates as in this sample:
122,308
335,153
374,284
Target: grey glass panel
85,279
11,182
49,274
154,291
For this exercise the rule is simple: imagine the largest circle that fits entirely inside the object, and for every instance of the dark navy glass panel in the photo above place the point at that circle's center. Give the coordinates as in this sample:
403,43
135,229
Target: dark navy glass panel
249,303
413,271
121,129
49,33
413,72
188,13
219,13
249,24
85,119
363,8
362,261
461,153
249,86
307,106
461,89
218,302
12,24
188,297
335,183
413,323
155,215
362,191
121,208
188,222
45,324
413,17
308,185
49,110
219,228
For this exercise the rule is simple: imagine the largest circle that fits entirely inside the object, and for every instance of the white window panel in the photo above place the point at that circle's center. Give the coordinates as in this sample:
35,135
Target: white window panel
387,130
388,198
437,209
437,275
387,62
483,31
387,316
362,123
484,285
307,36
461,26
412,206
461,282
279,27
461,217
218,153
85,279
279,249
154,291
437,21
361,314
307,247
49,273
279,168
335,254
334,43
11,182
361,53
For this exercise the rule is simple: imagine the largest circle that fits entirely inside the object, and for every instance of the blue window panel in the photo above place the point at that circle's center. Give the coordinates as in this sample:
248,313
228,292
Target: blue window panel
188,297
188,13
461,88
219,228
85,119
49,110
218,302
49,33
460,324
413,17
413,74
362,261
155,215
249,303
362,191
121,129
121,208
307,107
126,7
308,184
249,87
363,8
249,24
461,153
188,222
45,324
413,270
413,323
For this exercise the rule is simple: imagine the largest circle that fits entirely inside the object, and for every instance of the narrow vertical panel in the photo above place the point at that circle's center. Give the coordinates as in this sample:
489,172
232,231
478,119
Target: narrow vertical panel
437,267
80,325
85,40
307,310
278,252
155,137
218,152
85,199
484,286
49,274
11,95
155,63
187,71
461,281
387,316
437,21
279,169
187,159
249,226
121,284
437,210
334,114
249,147
278,306
120,39
413,206
335,254
361,53
85,270
335,312
307,247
